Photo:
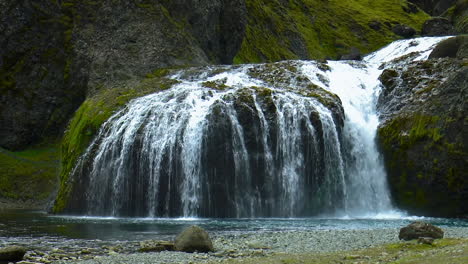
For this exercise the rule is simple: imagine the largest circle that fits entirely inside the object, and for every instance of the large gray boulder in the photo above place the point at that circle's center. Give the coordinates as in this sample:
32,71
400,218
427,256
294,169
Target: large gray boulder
193,239
12,254
419,229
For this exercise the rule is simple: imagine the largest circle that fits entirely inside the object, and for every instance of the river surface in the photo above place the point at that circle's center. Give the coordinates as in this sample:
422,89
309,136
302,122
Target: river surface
19,226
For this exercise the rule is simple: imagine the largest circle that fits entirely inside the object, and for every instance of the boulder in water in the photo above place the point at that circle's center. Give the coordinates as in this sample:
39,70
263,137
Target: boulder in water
12,254
194,239
419,229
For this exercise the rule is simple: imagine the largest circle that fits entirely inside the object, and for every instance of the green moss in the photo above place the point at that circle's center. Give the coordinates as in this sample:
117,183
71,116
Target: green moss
442,251
217,85
410,130
423,127
8,74
263,91
30,174
158,73
458,14
88,119
412,245
422,160
325,28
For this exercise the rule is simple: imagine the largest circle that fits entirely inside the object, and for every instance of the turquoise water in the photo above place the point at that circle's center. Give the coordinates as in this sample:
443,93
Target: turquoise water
17,224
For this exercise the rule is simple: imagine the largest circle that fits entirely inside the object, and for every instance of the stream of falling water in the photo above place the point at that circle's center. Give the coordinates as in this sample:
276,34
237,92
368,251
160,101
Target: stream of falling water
193,151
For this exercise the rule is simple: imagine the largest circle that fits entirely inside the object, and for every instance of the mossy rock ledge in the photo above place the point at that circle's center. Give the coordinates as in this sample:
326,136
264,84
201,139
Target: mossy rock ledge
423,136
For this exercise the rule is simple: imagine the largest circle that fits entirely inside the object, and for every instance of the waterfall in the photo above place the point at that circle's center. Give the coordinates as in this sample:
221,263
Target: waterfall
247,148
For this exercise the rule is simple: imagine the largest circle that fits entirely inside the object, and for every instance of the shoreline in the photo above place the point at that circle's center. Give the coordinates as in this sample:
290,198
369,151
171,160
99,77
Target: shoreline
17,204
237,247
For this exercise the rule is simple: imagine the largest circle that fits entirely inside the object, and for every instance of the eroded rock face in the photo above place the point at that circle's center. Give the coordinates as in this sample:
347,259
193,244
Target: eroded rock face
458,15
218,25
420,229
434,7
54,53
41,79
423,135
194,239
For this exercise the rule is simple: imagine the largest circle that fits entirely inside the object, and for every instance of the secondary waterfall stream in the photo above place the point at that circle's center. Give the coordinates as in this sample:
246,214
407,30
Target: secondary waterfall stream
246,141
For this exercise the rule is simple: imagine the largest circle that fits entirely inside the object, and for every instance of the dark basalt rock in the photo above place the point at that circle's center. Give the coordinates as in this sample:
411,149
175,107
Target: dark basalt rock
218,25
375,25
420,229
12,254
437,26
411,8
55,53
404,31
457,15
434,7
194,239
423,108
42,81
456,47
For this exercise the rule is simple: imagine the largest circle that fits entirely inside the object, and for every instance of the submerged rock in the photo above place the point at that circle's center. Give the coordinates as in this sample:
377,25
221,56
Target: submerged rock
420,229
12,253
194,239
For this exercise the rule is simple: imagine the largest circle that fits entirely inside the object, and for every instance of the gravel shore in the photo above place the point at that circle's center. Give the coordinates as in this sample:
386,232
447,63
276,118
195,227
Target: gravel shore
263,244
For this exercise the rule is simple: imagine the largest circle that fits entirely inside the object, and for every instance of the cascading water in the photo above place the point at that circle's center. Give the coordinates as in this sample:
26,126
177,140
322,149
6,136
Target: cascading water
231,144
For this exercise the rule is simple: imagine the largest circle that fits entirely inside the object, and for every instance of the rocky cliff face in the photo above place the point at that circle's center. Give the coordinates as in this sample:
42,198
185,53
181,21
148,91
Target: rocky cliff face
55,52
317,29
423,135
434,7
458,14
41,83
